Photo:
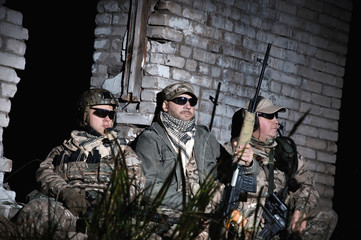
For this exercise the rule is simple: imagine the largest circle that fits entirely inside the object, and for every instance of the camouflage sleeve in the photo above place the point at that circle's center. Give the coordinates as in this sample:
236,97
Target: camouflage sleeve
306,197
51,182
253,169
135,173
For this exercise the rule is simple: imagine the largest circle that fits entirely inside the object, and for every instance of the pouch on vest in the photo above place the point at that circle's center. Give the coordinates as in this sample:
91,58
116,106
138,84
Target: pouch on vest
286,160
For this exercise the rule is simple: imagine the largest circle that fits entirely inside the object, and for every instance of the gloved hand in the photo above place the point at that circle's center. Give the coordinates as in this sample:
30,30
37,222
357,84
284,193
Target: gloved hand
74,201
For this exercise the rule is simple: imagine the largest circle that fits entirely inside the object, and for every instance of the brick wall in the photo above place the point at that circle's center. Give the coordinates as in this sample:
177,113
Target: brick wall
111,21
12,50
211,42
207,42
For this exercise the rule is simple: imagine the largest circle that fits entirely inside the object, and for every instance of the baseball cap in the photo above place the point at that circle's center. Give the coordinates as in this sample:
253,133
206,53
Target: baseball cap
174,90
266,106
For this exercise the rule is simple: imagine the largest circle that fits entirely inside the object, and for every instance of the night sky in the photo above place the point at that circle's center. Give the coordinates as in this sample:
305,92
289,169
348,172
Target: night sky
58,69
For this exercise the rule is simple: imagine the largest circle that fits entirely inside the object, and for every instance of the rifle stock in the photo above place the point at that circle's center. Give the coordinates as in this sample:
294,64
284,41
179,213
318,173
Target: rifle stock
246,132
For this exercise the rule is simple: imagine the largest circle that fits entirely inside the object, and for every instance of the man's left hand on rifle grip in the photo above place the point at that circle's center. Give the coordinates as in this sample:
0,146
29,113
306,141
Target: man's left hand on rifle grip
246,155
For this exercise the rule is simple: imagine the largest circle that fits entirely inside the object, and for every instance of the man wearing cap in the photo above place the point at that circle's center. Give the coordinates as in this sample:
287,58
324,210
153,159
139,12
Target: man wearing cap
288,178
175,142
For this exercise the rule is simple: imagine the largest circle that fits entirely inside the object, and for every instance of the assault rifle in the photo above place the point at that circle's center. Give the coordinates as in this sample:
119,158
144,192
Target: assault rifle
241,183
275,216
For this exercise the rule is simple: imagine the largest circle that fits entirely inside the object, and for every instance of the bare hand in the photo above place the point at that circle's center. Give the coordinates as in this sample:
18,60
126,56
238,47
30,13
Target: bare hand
244,153
298,222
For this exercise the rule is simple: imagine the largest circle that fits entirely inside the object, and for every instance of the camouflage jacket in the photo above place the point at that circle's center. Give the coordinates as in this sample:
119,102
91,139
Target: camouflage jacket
86,162
305,198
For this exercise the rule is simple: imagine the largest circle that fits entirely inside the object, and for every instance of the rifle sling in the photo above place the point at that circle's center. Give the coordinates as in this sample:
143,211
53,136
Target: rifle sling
271,185
271,167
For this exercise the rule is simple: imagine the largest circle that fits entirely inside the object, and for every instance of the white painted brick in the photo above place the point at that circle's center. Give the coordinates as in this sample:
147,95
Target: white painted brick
326,157
5,104
149,95
191,65
7,90
103,18
13,31
4,120
147,107
157,58
15,46
167,47
8,74
158,70
332,91
11,60
174,61
130,118
324,179
182,75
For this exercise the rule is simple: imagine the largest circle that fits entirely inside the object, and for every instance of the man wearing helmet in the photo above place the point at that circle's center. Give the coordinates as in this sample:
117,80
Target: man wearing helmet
75,175
97,111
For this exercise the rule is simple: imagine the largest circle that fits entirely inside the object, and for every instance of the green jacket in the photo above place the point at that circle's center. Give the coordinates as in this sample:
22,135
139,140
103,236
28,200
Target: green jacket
158,158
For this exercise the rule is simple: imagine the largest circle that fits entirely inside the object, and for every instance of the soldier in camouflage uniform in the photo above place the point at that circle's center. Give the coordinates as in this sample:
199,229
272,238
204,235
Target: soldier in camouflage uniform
75,174
175,133
306,220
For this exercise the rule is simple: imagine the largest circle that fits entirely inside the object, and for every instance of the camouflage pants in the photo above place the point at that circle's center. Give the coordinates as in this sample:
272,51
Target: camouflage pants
204,235
321,226
45,217
166,230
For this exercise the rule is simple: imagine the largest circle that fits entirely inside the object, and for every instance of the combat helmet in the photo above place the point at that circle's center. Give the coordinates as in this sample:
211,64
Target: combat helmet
91,97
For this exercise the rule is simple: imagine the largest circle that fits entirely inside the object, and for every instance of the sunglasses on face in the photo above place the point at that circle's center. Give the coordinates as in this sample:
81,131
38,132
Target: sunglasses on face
269,116
184,100
102,113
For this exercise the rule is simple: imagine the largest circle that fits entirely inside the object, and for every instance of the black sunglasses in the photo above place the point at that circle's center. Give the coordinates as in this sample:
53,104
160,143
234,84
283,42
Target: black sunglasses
184,100
269,116
102,113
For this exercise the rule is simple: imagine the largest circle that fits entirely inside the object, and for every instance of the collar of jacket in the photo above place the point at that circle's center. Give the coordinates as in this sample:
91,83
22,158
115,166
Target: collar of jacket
201,137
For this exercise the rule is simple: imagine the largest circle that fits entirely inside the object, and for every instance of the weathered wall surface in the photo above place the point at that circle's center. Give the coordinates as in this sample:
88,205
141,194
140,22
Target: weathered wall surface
207,42
12,51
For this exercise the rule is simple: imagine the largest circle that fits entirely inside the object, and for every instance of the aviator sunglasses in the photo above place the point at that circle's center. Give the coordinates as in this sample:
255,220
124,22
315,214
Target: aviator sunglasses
184,100
269,116
102,113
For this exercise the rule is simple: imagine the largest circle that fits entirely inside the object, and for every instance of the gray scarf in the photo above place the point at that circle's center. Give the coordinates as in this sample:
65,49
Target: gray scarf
179,132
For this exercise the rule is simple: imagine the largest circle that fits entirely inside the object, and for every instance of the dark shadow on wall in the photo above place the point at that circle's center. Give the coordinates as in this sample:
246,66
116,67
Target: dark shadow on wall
348,165
59,56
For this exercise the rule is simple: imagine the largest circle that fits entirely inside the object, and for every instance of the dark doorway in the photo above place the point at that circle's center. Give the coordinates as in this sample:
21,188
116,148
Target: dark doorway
59,57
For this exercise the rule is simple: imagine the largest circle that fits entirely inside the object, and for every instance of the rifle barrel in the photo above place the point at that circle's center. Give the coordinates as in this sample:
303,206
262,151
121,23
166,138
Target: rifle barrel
264,65
215,103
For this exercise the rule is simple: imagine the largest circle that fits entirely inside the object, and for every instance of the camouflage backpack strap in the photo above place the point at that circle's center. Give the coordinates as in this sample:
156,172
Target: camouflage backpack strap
287,161
271,165
286,156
